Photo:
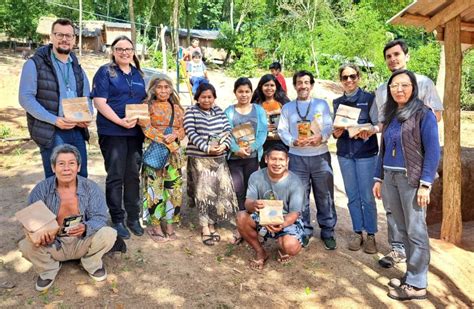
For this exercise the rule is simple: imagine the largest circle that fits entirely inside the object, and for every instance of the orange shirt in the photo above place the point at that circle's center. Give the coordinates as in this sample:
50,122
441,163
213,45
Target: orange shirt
160,114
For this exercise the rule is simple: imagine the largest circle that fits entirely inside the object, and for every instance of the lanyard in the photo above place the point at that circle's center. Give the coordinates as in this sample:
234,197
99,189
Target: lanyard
129,82
307,111
65,77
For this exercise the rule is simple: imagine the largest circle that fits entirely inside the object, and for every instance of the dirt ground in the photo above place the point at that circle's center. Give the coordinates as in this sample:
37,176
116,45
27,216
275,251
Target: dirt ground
185,273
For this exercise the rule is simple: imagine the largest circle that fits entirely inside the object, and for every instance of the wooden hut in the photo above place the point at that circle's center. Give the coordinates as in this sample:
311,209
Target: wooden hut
453,21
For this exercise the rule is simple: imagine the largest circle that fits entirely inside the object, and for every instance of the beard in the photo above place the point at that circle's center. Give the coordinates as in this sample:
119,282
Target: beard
63,51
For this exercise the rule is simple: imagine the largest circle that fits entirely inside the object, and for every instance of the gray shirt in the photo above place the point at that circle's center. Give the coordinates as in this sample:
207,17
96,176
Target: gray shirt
248,118
289,190
426,92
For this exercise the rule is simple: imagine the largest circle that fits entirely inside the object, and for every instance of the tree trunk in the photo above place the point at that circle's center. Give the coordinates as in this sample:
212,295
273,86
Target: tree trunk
441,73
132,22
451,226
163,48
188,22
147,26
175,31
315,60
80,29
232,13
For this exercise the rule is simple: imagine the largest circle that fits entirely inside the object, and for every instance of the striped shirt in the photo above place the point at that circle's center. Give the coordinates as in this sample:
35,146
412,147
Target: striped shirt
200,125
91,199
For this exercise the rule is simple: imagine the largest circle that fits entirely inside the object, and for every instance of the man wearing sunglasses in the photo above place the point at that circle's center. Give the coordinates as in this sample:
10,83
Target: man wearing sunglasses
396,57
50,77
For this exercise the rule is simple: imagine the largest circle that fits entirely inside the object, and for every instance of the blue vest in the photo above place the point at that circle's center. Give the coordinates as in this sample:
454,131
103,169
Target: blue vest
352,148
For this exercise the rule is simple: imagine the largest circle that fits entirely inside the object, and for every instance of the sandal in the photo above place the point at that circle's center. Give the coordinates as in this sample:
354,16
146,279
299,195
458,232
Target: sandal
236,240
156,237
258,264
216,236
283,258
172,236
208,240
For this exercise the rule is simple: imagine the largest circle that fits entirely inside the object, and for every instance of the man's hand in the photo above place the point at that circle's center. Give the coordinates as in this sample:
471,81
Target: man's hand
366,133
274,228
77,230
128,123
64,124
83,124
169,138
257,205
338,132
377,190
301,142
46,239
314,140
423,196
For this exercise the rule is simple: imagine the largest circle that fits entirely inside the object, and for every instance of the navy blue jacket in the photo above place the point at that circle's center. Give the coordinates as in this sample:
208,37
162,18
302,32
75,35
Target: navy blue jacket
352,148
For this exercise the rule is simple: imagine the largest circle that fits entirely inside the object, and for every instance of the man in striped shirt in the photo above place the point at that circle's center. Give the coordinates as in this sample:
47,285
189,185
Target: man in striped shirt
69,195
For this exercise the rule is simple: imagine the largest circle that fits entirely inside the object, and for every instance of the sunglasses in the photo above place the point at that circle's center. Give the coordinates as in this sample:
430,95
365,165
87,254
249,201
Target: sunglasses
352,77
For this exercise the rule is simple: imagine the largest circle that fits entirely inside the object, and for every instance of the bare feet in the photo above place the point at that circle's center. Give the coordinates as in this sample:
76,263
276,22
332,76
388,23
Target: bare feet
283,258
156,234
259,262
170,232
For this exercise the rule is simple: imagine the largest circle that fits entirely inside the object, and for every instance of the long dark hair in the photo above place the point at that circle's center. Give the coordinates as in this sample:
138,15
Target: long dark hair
135,58
259,96
413,105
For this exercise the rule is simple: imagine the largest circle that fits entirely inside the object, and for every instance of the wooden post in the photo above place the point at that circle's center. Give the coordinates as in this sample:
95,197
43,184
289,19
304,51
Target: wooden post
451,227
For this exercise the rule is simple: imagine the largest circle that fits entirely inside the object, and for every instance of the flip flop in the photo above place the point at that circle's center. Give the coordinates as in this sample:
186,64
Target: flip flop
258,264
216,236
283,258
156,237
172,236
208,240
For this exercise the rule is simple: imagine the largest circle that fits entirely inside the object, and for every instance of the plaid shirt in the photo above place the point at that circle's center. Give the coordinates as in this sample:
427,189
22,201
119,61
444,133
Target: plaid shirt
92,203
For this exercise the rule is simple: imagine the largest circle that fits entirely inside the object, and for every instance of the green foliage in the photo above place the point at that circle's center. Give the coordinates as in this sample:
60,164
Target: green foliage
425,60
19,18
246,64
157,60
467,89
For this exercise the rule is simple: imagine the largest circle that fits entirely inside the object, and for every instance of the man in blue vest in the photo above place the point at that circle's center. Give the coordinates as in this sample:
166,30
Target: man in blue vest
51,76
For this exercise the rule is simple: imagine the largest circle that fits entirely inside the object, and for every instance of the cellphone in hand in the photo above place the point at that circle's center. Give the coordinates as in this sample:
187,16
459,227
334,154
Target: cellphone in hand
70,222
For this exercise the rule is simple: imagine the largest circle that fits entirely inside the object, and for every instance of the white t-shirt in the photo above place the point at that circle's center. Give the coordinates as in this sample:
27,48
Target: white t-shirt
426,92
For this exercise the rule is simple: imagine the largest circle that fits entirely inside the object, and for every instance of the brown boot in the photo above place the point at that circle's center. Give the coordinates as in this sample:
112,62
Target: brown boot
355,242
370,245
407,292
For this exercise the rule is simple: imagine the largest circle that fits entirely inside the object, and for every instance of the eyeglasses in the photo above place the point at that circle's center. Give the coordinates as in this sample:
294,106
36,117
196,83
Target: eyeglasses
404,86
352,77
60,36
124,50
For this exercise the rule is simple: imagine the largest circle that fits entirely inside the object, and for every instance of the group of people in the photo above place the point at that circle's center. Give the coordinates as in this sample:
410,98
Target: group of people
229,176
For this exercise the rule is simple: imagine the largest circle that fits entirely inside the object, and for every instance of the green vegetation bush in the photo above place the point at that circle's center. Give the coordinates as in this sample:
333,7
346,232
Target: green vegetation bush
157,60
467,89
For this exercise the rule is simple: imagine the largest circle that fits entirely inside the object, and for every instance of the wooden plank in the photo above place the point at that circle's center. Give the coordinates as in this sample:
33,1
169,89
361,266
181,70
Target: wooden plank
451,226
448,13
408,19
466,37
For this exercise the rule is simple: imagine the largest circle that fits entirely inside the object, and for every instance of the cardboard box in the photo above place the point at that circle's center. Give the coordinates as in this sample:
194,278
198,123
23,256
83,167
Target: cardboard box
353,131
346,116
76,109
272,213
37,219
137,111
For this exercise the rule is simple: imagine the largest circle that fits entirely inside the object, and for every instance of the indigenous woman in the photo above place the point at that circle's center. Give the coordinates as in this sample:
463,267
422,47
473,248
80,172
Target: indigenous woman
115,85
247,150
357,155
208,177
407,164
270,95
162,187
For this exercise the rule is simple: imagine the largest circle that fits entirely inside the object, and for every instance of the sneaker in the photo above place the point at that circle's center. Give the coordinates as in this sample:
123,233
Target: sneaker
355,242
135,227
99,275
370,245
395,282
392,258
330,243
121,230
305,239
43,284
407,292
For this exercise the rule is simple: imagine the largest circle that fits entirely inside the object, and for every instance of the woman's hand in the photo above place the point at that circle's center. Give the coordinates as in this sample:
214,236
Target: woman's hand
338,132
423,196
271,127
216,150
169,138
128,123
377,190
243,152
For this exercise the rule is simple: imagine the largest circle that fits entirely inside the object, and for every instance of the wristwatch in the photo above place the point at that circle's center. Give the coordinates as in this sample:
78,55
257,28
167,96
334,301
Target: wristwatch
425,186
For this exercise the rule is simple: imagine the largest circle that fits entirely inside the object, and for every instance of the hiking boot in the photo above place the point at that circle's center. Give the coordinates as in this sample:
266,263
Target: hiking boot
370,245
395,282
43,284
407,292
392,258
99,275
355,242
122,231
330,243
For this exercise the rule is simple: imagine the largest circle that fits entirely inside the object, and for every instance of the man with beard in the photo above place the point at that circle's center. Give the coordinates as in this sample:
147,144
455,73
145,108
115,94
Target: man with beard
309,154
52,75
274,182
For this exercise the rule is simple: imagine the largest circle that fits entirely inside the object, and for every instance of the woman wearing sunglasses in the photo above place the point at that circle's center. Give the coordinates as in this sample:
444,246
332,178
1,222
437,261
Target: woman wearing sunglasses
357,157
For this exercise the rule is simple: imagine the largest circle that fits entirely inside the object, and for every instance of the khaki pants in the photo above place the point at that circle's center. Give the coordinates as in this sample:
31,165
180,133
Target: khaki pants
90,250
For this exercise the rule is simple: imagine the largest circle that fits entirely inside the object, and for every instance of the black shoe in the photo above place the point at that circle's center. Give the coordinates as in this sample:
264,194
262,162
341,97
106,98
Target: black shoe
135,227
43,284
121,230
99,275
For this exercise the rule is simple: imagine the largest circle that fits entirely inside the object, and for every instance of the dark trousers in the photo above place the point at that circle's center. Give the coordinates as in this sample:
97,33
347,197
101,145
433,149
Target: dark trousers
316,172
240,170
72,137
122,159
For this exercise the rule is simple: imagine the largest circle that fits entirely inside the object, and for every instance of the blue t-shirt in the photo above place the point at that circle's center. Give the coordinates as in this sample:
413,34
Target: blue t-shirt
119,90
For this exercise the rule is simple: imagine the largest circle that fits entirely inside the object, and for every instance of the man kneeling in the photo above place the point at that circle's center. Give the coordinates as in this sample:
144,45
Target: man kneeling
273,182
67,194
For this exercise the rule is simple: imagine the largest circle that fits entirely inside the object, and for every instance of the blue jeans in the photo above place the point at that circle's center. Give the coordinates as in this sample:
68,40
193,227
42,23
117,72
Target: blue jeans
316,172
410,223
358,182
196,81
72,137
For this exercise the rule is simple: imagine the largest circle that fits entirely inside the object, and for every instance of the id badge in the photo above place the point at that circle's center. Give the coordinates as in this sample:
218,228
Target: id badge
304,128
